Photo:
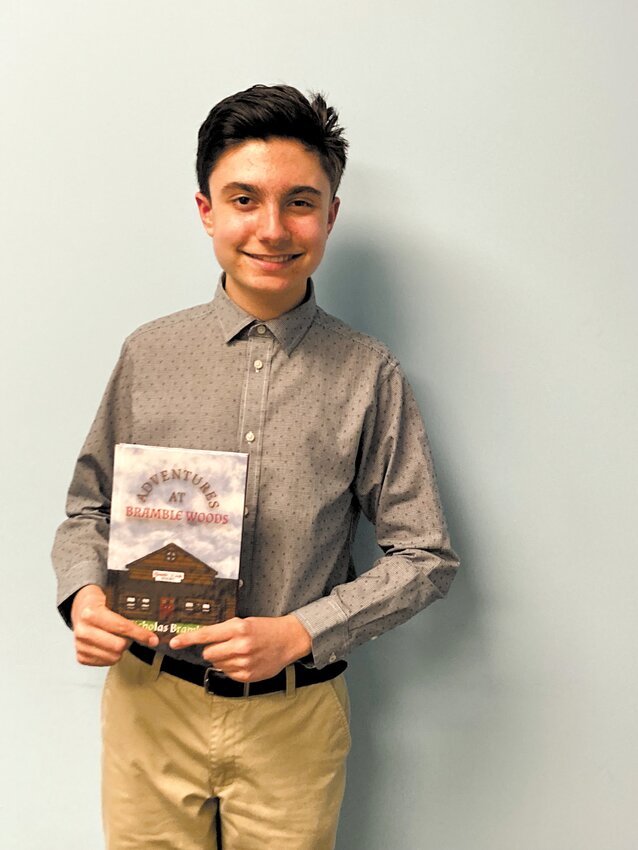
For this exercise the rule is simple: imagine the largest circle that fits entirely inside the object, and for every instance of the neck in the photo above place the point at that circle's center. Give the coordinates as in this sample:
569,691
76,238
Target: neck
265,305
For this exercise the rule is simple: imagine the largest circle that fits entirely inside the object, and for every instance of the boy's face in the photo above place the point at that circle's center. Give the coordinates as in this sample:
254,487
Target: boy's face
269,216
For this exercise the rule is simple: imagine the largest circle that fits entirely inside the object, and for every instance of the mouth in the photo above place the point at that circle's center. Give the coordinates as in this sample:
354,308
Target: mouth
272,260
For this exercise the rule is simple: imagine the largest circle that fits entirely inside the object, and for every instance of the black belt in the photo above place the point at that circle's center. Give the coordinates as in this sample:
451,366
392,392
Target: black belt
214,683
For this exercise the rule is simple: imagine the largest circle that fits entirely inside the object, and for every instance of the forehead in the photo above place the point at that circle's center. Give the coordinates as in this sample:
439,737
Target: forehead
270,163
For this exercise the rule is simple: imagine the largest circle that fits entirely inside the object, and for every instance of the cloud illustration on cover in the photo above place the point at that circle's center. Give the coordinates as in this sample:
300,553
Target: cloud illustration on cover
152,482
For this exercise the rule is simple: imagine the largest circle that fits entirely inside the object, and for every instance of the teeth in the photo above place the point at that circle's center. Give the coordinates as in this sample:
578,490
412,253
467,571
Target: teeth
282,258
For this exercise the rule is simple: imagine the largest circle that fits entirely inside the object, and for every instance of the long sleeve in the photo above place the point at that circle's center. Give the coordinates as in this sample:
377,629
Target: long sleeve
332,429
80,548
395,487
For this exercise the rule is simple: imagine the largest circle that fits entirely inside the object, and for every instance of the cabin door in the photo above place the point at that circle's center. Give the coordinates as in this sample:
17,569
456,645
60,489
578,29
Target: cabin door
166,608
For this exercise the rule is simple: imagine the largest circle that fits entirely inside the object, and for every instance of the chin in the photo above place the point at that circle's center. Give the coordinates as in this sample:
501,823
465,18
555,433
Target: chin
274,284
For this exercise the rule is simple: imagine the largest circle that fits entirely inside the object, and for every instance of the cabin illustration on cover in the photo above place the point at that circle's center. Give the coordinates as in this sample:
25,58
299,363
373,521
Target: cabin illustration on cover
171,586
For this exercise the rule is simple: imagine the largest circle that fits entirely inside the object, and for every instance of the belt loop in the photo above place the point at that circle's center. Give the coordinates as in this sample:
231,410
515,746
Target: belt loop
246,689
156,666
290,681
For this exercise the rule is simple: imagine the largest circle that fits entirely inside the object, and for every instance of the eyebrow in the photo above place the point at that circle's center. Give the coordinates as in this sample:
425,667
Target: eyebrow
304,190
243,187
248,187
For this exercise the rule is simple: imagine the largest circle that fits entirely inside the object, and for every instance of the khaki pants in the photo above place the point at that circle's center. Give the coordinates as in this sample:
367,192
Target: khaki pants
275,764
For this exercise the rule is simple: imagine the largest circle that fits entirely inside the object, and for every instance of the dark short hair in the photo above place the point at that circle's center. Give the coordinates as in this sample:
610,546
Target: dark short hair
264,112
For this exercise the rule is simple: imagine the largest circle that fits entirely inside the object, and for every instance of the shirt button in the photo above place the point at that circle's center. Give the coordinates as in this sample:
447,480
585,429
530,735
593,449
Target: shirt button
246,511
250,437
258,365
261,329
332,658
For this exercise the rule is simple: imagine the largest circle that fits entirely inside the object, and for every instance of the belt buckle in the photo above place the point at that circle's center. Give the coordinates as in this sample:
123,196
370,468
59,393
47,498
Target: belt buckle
209,676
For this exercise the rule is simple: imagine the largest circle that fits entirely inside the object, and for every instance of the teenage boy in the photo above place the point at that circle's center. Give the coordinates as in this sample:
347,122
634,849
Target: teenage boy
332,430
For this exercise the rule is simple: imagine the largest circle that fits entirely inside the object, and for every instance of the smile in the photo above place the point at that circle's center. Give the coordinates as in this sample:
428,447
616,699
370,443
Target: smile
272,258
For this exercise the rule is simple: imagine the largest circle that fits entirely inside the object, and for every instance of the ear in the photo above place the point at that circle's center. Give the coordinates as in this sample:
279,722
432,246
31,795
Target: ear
332,212
205,210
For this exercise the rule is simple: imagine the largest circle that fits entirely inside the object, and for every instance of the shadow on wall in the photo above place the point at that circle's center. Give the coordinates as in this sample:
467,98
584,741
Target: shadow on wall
398,685
356,286
405,690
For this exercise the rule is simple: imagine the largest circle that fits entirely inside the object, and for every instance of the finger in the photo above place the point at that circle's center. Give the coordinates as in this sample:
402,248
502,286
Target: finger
97,648
103,618
193,638
93,639
216,633
243,669
224,654
97,658
234,668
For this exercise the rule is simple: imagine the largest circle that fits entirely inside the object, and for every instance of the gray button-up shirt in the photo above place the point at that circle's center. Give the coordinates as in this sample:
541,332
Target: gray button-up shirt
332,429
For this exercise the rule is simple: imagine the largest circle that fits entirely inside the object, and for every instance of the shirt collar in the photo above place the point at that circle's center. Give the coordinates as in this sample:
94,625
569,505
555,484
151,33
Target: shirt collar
288,329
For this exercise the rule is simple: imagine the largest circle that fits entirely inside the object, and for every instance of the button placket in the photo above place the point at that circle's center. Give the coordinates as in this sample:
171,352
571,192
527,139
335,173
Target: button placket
252,419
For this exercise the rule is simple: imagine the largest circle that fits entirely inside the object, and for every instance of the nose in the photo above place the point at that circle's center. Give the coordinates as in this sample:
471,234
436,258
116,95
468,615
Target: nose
271,225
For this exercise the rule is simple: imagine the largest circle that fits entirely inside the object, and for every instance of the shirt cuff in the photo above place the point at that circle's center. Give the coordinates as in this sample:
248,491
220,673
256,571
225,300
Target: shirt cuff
327,625
77,577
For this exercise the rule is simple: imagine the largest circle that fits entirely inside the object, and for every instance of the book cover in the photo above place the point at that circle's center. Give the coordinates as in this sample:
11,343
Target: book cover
175,537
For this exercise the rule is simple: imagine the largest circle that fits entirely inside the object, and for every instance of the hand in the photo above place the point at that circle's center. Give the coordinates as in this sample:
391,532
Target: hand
101,635
252,649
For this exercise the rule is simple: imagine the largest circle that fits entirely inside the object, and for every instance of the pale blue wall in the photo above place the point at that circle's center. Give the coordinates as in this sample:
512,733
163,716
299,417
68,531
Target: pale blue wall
487,235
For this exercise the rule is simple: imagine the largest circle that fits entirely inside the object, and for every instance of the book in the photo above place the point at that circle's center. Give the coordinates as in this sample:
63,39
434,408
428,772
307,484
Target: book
175,538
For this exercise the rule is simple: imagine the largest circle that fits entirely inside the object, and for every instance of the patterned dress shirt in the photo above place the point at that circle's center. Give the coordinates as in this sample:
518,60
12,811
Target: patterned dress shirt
332,429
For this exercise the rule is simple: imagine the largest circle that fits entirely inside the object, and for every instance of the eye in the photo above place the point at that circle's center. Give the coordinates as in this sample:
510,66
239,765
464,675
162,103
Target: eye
242,200
301,203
